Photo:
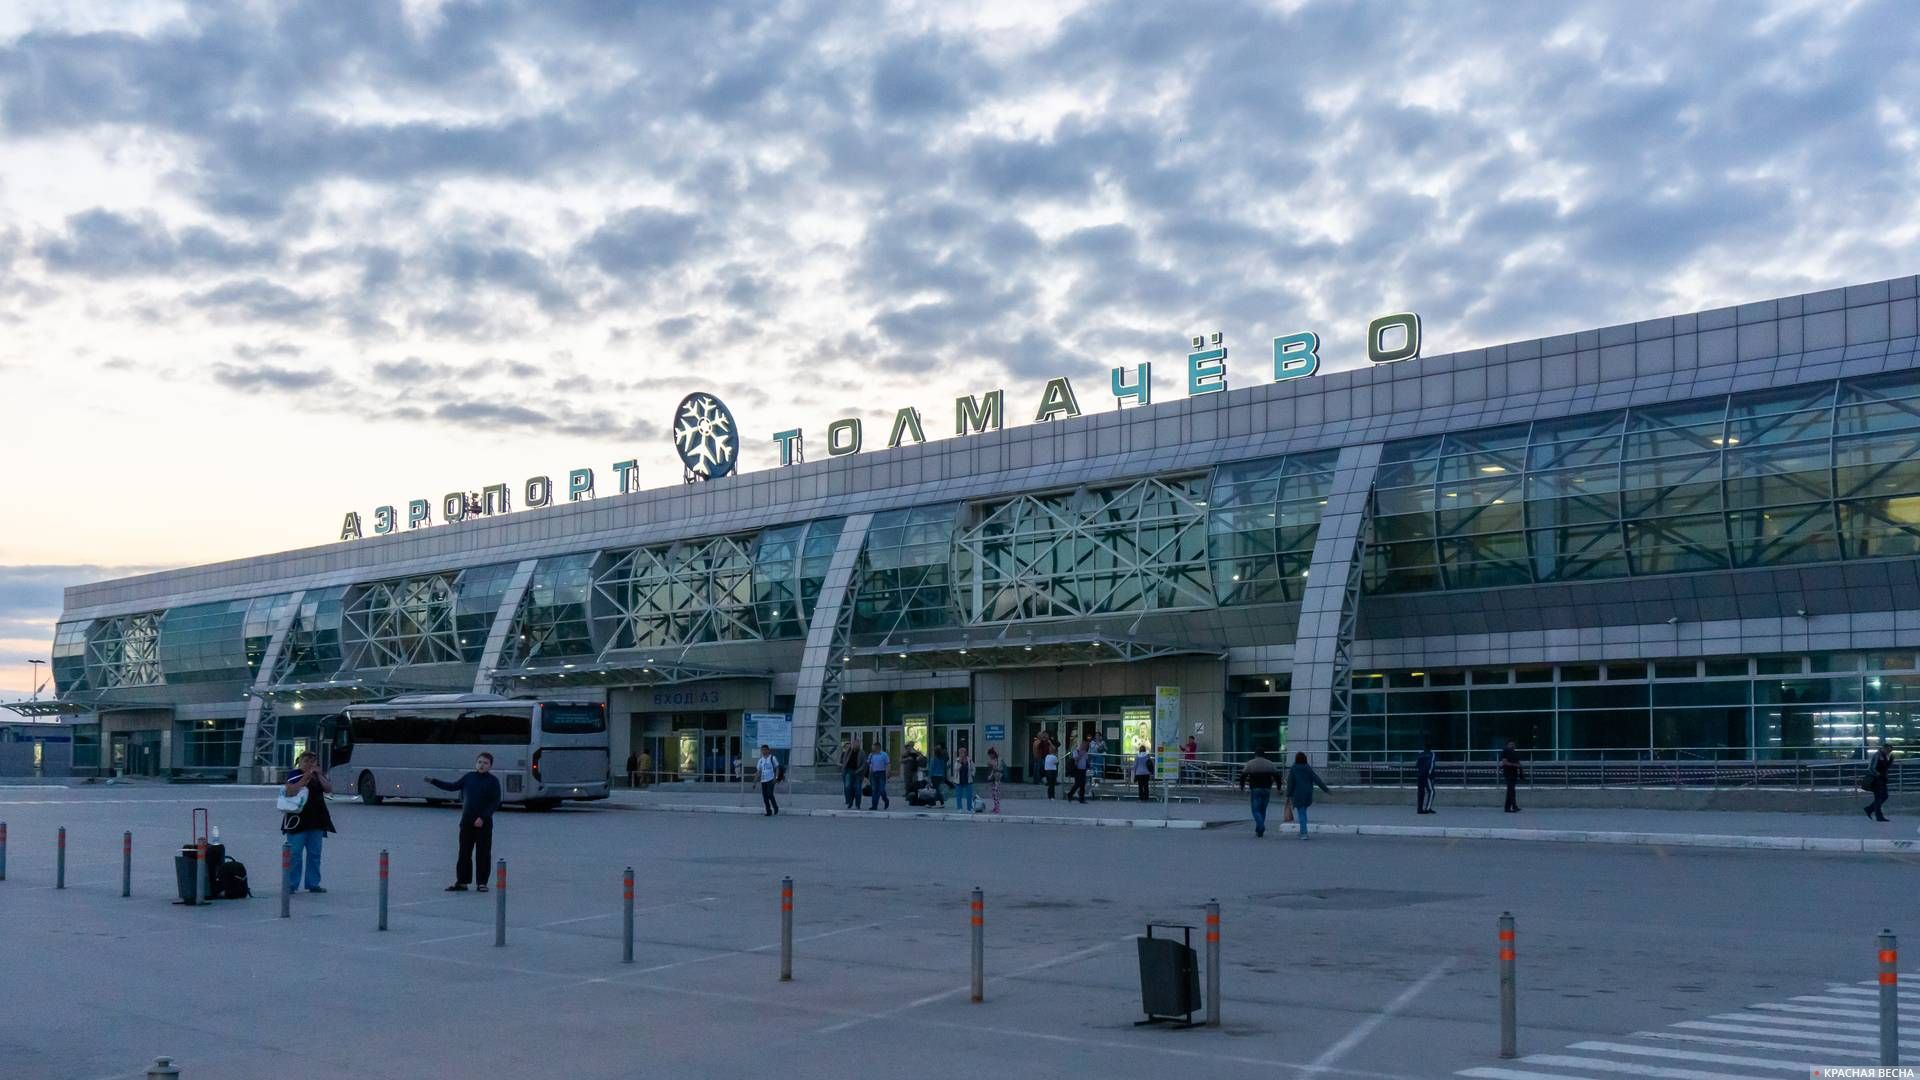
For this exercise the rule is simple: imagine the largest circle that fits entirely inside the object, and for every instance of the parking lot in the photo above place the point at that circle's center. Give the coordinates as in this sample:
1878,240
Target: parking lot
1345,956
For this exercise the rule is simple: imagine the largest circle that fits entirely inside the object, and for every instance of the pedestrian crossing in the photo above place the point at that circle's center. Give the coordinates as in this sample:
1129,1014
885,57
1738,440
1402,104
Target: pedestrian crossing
1839,1026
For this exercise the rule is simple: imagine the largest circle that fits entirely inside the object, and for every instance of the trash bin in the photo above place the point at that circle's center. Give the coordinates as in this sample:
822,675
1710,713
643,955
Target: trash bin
1169,977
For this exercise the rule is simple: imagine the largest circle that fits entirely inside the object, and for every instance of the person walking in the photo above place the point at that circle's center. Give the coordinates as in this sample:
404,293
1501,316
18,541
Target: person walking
1099,758
1037,753
305,830
646,768
1079,761
1258,776
633,770
995,771
1143,770
1877,772
1301,780
1510,771
1190,761
963,782
479,798
771,773
877,776
937,775
852,764
1050,770
1423,773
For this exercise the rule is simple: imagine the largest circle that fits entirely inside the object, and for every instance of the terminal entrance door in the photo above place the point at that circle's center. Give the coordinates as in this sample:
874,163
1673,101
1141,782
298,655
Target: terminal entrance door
136,753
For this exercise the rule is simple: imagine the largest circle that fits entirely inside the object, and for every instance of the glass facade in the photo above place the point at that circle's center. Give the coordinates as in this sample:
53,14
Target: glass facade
552,625
1823,705
1772,477
1264,520
210,744
905,580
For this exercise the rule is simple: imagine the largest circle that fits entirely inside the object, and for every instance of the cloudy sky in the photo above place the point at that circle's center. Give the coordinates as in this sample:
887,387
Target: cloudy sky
263,263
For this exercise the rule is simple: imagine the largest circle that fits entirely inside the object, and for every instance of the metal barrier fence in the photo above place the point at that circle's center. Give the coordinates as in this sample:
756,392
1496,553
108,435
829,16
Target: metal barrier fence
1830,776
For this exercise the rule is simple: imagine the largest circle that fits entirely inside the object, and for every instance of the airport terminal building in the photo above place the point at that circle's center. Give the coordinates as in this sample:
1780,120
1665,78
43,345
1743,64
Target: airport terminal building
1691,536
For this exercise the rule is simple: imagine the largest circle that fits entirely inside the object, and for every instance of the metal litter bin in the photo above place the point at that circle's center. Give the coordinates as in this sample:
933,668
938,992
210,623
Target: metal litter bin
1169,977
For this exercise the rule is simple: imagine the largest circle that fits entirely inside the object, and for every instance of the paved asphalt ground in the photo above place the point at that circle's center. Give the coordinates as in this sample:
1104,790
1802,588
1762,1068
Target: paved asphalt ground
1347,956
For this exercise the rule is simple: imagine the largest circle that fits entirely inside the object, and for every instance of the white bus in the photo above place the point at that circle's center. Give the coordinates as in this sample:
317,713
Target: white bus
543,751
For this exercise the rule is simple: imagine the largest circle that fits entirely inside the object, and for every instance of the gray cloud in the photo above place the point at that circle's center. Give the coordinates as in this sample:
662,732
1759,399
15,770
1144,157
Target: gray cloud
261,377
103,244
641,241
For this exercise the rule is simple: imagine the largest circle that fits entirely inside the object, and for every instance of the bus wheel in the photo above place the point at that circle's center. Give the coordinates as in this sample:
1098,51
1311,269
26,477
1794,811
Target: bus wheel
368,794
542,804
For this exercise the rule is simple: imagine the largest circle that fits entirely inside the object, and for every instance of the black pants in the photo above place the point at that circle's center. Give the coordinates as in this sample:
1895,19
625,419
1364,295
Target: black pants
476,852
1053,777
1879,800
1423,801
1512,803
1142,781
1079,785
766,797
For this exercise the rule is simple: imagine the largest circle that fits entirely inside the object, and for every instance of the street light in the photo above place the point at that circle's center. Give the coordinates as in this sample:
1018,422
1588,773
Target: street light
35,668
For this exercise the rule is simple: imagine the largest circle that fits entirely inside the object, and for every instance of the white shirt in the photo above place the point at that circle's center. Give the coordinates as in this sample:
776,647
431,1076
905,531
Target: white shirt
769,767
1052,763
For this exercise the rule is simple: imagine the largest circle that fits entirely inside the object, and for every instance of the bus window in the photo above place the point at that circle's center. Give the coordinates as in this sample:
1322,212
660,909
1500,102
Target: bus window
573,719
492,729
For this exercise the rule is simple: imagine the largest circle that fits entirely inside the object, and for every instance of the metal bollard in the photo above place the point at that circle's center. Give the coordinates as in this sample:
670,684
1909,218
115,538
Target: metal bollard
1508,1037
163,1069
500,905
1889,999
786,929
3,851
1213,963
286,870
626,954
383,889
126,864
978,905
201,894
60,863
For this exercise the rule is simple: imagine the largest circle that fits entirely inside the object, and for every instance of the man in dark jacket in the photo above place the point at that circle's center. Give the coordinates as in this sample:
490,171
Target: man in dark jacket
1258,776
479,798
1423,767
1877,781
1510,771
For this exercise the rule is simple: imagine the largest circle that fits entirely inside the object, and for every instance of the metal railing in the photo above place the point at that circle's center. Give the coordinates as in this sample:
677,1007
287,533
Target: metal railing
1628,770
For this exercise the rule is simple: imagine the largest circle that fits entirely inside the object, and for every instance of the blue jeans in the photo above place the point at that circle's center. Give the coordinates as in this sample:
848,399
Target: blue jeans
879,791
1261,796
963,796
305,846
850,782
1301,813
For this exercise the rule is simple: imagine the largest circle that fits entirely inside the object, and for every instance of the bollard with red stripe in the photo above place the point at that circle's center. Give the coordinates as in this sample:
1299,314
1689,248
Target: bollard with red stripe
500,905
286,873
1213,963
60,870
1508,1037
626,954
977,906
383,889
786,929
126,863
3,851
1889,949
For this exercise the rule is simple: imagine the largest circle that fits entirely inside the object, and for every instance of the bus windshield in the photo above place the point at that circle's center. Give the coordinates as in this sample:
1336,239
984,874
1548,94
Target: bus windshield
573,719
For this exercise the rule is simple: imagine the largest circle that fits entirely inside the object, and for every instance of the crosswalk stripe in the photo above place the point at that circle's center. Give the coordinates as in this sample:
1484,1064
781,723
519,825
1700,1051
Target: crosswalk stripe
1795,1021
1854,991
1853,1003
1691,1055
1815,1010
1756,1044
1489,1073
1631,1068
1817,1036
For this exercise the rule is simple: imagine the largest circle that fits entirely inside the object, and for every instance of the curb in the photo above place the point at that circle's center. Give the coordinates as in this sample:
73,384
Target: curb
931,815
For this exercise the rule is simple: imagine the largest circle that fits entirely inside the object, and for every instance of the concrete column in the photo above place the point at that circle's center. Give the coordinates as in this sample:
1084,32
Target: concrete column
816,699
1319,720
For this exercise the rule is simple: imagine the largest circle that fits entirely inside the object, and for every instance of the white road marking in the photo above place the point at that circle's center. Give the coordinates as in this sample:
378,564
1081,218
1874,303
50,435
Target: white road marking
943,995
1691,1055
1631,1069
1794,1021
1818,1036
1512,1074
1757,1044
1366,1027
1815,1010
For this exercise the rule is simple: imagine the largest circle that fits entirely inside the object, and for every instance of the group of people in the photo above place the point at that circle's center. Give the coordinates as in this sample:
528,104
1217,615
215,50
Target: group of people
1261,775
306,829
863,774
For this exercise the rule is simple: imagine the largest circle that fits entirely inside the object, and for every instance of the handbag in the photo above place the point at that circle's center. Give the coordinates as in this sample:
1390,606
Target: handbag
291,804
1286,812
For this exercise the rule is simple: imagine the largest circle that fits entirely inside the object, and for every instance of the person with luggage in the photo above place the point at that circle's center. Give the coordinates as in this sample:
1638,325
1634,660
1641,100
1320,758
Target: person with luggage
770,774
1877,776
853,764
1301,780
306,829
1081,760
877,776
479,797
995,772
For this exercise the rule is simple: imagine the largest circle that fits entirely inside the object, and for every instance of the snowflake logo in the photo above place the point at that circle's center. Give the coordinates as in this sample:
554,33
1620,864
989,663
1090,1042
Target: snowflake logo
705,436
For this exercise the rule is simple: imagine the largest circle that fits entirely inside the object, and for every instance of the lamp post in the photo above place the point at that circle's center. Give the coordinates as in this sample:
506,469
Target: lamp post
34,666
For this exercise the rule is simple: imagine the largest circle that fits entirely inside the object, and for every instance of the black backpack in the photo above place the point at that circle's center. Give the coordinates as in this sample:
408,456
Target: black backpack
233,880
